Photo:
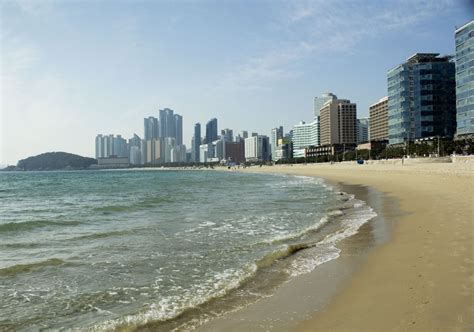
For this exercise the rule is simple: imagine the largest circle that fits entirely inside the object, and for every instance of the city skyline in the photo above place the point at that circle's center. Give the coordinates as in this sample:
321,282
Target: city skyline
63,103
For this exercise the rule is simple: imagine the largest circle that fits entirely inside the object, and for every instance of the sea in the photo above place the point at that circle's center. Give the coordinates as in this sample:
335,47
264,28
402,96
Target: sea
159,249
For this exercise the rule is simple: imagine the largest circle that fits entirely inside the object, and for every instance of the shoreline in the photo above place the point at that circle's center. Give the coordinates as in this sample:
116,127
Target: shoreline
422,279
291,303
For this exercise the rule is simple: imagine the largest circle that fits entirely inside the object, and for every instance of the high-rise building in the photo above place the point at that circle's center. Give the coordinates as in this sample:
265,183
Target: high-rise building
99,146
235,151
363,130
421,98
464,37
167,123
284,150
196,142
154,151
227,134
211,131
378,129
276,134
305,135
169,143
219,148
178,123
257,148
320,101
135,155
178,154
143,152
120,147
244,134
205,152
109,145
151,128
338,122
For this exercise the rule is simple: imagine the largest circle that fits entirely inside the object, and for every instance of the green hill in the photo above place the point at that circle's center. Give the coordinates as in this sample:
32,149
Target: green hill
55,161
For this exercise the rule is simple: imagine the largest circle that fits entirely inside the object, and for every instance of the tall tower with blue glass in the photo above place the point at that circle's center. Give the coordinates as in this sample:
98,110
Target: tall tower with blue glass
464,37
421,98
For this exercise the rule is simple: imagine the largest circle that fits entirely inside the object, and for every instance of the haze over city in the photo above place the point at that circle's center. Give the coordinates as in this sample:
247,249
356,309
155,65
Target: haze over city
71,70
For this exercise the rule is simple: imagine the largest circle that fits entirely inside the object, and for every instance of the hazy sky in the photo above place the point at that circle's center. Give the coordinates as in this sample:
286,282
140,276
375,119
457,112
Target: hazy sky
73,69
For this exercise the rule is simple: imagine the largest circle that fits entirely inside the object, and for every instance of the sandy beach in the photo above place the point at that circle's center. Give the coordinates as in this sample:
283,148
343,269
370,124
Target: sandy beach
420,279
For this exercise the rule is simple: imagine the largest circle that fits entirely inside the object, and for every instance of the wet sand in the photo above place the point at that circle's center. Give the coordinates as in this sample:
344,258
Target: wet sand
418,277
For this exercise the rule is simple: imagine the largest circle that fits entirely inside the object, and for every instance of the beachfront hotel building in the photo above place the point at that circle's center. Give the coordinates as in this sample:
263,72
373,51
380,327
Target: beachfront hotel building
421,98
276,135
257,148
378,112
303,136
338,123
464,37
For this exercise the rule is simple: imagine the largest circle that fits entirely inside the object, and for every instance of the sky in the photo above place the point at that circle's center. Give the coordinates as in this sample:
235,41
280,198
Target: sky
73,69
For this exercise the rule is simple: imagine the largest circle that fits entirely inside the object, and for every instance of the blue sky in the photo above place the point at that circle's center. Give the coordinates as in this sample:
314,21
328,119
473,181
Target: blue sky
73,69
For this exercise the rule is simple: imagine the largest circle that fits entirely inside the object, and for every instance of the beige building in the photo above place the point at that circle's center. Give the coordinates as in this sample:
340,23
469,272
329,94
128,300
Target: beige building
338,122
378,130
153,151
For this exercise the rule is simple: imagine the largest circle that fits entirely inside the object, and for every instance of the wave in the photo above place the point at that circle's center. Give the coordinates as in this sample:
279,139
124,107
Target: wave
137,206
103,235
32,224
23,268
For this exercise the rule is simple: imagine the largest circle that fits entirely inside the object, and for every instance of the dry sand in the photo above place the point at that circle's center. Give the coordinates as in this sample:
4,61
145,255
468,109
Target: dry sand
422,279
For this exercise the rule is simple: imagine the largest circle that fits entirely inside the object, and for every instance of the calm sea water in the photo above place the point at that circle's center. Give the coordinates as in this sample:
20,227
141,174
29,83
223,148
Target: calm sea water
105,249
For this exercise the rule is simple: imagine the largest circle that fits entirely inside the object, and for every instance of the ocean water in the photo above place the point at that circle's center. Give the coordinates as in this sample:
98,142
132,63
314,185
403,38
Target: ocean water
103,250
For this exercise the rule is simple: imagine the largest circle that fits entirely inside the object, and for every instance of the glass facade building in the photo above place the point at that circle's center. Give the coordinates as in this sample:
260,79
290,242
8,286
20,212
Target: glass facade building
464,37
421,98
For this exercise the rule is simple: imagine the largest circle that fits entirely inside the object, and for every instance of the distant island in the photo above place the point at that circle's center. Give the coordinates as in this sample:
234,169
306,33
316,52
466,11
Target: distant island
52,161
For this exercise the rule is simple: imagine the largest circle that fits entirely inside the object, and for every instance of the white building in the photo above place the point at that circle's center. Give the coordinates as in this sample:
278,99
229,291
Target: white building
257,148
219,149
206,152
135,155
178,154
169,143
304,135
277,134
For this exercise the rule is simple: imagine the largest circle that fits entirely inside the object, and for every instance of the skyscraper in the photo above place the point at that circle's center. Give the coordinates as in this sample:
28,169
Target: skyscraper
197,142
320,101
99,146
378,129
277,133
178,123
211,130
151,128
338,122
119,146
227,134
167,123
363,130
464,37
257,148
421,98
